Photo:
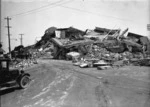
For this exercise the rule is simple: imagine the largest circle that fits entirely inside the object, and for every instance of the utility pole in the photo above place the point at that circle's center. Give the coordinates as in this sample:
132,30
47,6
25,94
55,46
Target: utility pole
21,39
7,18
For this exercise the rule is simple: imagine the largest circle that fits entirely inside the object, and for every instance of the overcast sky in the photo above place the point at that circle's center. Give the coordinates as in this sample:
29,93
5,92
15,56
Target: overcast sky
33,17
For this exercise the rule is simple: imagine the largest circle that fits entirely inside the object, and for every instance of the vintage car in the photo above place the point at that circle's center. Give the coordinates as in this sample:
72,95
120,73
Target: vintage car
12,77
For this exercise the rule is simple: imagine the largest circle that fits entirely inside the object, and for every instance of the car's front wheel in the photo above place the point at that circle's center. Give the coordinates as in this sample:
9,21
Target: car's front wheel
24,81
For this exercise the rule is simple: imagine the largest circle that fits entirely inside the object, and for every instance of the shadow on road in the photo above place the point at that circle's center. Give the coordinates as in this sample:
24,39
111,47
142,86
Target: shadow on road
8,90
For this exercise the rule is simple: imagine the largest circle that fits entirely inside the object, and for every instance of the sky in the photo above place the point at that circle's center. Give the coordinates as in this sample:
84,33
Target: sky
33,17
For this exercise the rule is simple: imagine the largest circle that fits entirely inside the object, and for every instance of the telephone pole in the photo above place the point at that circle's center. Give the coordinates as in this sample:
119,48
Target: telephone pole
21,39
7,18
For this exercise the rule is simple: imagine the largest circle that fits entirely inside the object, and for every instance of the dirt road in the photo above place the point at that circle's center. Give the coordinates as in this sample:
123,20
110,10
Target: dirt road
57,83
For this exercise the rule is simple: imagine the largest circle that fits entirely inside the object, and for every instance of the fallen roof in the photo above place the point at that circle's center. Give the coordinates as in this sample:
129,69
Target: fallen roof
130,34
107,31
70,29
60,43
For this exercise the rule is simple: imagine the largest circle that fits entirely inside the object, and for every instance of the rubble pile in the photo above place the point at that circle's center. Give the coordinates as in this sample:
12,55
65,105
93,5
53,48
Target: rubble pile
115,52
104,59
25,63
102,48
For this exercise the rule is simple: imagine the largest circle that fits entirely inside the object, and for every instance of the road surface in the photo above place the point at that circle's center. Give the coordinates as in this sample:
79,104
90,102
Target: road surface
57,83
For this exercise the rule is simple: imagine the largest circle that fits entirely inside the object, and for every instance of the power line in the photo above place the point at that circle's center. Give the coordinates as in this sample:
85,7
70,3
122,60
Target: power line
72,8
36,9
58,3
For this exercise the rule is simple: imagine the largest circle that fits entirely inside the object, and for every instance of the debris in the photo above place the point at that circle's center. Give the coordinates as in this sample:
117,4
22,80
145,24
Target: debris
100,63
140,62
73,55
101,47
138,41
83,65
76,63
63,46
103,67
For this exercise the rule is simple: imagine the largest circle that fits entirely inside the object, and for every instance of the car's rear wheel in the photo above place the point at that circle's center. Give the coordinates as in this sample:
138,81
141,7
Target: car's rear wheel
24,81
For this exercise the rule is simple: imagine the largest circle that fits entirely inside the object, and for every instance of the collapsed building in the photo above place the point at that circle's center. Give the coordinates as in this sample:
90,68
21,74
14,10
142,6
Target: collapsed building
62,47
101,33
61,33
100,46
100,43
140,40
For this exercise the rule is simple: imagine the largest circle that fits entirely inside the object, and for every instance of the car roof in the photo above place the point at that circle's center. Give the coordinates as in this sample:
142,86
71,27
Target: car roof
4,59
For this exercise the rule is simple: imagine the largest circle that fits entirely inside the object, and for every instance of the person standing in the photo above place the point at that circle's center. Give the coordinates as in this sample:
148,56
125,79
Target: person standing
1,51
